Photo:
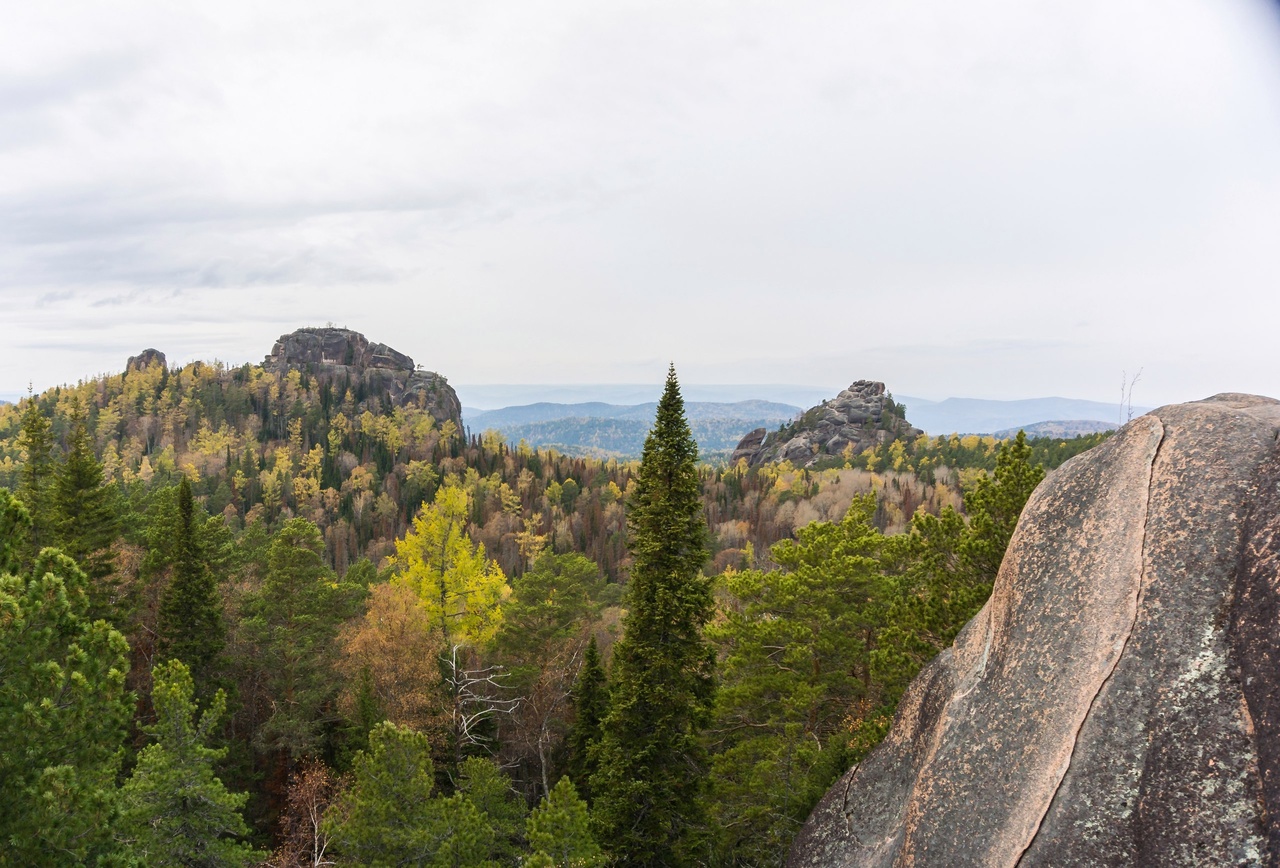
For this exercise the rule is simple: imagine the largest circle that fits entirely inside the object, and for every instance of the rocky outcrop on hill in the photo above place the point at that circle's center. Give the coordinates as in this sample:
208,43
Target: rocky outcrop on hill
1117,700
372,370
860,417
144,360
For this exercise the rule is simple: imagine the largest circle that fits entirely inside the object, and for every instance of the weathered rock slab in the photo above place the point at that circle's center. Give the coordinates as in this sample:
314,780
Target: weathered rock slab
1117,700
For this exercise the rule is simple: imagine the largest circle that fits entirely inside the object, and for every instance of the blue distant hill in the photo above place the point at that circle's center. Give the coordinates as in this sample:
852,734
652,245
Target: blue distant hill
490,396
618,430
613,419
546,411
981,416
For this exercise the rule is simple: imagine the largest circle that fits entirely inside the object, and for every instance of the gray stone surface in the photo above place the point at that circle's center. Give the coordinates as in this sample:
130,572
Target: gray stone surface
144,360
1255,638
856,417
340,356
1117,701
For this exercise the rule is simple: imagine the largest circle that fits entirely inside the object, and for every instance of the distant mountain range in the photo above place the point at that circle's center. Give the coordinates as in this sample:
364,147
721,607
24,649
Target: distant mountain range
981,416
490,396
609,429
618,430
545,411
727,412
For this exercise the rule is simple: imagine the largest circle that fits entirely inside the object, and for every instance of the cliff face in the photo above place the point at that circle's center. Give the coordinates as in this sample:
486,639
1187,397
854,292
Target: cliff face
144,360
340,355
858,418
1117,701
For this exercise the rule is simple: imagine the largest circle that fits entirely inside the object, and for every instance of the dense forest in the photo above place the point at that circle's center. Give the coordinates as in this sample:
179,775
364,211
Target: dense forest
253,618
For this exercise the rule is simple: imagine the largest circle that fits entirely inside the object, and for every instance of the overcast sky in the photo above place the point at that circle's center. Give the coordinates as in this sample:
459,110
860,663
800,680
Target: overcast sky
996,198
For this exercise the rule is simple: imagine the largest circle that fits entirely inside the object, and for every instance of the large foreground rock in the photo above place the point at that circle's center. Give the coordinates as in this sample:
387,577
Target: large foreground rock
1117,701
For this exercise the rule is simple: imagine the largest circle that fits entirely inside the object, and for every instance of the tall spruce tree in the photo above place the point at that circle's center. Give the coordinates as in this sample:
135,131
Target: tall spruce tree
590,702
86,517
191,628
35,487
292,623
646,808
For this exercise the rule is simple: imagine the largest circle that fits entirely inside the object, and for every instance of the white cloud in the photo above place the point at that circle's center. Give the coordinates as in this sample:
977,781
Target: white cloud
992,198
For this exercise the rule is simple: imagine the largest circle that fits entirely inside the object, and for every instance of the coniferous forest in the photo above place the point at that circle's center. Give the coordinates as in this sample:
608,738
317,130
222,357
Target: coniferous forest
256,617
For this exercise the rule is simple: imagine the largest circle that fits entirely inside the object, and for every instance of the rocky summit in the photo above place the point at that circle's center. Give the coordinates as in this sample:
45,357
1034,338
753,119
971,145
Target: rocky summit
144,360
336,355
1117,700
860,417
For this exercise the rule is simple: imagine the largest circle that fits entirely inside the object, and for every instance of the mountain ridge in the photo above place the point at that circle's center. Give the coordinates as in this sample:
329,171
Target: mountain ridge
988,416
546,411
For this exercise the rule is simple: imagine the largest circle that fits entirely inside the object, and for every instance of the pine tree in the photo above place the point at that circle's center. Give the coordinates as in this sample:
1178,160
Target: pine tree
190,626
36,487
64,710
802,648
385,815
590,702
994,505
15,525
85,513
175,811
559,833
486,787
651,763
293,624
388,817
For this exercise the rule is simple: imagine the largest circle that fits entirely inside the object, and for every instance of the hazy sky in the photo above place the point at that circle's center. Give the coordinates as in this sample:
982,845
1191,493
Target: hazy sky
993,198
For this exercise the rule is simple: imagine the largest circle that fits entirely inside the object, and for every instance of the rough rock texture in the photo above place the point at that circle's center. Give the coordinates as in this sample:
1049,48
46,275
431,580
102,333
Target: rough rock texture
1255,635
857,417
374,371
1117,701
144,360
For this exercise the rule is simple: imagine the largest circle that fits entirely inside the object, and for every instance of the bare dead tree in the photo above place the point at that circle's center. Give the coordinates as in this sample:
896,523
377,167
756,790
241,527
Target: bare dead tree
477,696
305,842
540,722
1126,394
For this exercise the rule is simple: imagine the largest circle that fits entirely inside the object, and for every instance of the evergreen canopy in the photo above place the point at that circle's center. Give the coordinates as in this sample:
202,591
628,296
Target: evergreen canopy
650,759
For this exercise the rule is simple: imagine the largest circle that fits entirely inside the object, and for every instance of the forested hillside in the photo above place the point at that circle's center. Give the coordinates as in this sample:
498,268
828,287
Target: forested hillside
262,446
326,611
